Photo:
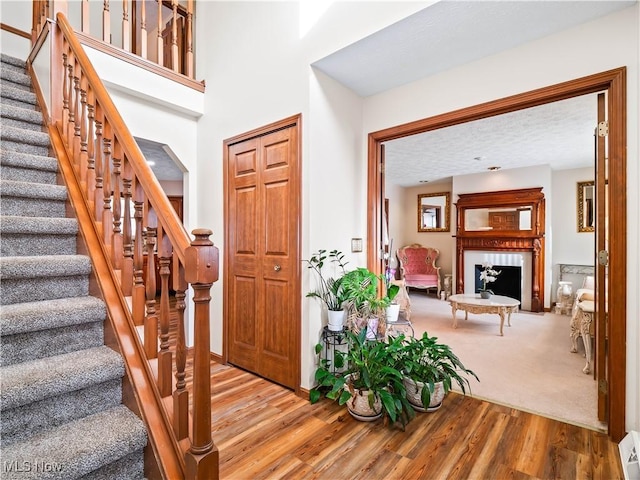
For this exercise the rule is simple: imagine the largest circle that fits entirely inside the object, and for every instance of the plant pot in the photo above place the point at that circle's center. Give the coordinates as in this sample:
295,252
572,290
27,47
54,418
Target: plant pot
336,320
414,395
372,328
393,311
484,294
359,408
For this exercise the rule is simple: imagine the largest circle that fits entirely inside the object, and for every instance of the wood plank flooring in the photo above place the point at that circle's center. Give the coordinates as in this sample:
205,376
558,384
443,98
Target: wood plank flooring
264,431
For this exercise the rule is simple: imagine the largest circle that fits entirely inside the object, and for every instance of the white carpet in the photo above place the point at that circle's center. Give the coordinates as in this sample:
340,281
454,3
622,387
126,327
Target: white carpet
529,368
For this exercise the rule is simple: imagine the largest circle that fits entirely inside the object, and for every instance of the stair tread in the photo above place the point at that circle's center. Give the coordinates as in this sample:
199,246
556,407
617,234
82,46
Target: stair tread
18,113
12,188
79,447
13,93
44,266
35,225
31,381
14,61
61,312
32,137
27,160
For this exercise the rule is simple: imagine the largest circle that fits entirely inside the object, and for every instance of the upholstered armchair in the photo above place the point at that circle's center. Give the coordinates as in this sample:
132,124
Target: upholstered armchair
418,266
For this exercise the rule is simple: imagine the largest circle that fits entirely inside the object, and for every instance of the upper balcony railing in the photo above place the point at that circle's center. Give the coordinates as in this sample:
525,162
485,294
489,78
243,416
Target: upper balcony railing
160,33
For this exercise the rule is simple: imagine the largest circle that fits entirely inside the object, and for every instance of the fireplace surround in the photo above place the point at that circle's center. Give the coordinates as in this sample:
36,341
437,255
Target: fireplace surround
503,221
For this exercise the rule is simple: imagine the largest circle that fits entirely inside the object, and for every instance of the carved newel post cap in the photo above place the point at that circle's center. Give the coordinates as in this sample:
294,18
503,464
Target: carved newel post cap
201,258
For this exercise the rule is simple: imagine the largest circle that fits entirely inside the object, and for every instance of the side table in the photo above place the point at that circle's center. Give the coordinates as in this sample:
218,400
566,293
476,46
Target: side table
331,343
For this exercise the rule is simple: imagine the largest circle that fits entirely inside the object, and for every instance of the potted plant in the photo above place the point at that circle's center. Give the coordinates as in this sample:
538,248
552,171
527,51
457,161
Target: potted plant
366,309
329,290
430,368
371,386
487,275
391,290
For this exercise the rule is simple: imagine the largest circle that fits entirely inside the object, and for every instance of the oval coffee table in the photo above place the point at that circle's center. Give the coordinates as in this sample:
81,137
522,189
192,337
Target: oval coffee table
473,303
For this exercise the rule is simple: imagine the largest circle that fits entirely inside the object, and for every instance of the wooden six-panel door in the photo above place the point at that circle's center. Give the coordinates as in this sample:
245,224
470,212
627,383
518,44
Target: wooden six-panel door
262,268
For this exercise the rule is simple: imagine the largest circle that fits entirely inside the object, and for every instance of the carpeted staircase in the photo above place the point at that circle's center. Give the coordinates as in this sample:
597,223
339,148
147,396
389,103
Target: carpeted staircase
61,413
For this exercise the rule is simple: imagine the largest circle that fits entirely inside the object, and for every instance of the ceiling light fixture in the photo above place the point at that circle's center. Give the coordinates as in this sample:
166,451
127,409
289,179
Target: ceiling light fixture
423,181
493,169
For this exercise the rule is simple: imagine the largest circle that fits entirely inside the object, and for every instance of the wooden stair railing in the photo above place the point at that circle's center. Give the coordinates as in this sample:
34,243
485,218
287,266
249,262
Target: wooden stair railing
128,26
132,218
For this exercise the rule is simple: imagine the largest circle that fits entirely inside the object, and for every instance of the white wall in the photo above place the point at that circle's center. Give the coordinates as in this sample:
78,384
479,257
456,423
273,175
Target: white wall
16,15
569,246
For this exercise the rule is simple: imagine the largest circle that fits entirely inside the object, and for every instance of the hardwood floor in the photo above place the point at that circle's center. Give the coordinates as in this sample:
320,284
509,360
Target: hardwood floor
264,431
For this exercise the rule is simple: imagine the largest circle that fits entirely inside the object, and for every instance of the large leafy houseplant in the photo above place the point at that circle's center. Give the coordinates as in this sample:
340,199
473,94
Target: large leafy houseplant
426,362
328,290
370,371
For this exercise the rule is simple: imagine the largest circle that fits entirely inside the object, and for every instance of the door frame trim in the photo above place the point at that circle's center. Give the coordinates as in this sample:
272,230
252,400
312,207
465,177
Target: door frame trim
296,122
615,83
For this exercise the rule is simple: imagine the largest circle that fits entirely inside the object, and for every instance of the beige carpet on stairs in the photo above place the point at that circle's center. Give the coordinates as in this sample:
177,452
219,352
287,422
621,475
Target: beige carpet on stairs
529,368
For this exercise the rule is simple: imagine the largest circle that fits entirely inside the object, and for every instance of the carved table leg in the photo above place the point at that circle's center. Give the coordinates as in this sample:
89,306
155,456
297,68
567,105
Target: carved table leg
585,327
501,313
575,331
454,309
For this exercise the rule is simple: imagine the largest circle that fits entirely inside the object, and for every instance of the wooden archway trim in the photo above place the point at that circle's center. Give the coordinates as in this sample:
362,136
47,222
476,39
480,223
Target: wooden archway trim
614,83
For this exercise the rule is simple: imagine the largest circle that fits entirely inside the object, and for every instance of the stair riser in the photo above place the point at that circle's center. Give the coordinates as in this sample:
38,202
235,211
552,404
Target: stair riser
42,289
14,245
16,102
21,422
32,207
27,175
24,347
24,148
130,467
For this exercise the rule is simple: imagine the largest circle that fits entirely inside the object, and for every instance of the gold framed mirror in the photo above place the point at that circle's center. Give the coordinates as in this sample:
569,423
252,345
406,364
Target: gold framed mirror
586,206
434,212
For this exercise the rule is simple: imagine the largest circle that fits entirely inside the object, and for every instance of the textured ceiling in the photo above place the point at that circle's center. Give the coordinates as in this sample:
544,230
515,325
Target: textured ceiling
451,33
559,134
162,164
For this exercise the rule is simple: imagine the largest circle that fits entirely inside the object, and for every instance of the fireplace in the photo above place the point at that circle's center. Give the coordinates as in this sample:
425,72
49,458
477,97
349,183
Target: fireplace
518,243
508,282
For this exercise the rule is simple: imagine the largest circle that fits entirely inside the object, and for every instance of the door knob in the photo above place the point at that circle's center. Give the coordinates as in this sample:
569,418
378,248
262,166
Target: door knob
276,268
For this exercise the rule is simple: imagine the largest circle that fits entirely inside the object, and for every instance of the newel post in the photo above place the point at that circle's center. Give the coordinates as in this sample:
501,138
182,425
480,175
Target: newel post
201,270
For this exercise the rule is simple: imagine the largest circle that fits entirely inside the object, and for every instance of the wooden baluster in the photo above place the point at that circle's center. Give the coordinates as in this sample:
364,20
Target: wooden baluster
189,40
98,196
175,55
127,263
151,320
91,150
143,30
126,29
159,46
117,254
107,216
106,23
65,94
84,156
138,294
180,394
86,17
75,146
71,119
201,270
165,358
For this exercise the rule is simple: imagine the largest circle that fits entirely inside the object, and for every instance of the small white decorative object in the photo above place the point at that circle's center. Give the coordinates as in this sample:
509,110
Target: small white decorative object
564,298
